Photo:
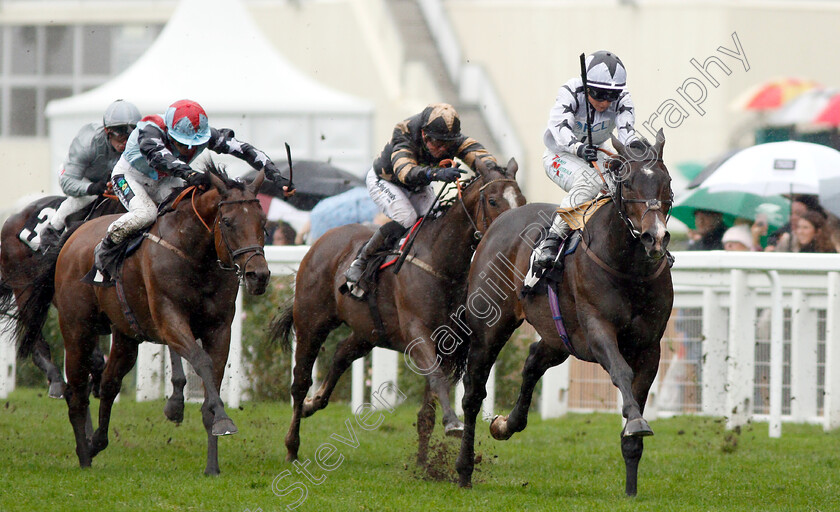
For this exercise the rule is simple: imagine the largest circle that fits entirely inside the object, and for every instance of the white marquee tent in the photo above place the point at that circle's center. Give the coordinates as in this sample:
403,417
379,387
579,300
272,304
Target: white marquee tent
212,52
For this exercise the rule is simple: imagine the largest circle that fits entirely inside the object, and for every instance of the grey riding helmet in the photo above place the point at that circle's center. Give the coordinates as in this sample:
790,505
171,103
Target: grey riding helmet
121,113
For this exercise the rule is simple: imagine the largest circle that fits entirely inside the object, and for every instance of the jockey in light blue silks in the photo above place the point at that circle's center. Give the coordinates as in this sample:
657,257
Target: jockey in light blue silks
156,161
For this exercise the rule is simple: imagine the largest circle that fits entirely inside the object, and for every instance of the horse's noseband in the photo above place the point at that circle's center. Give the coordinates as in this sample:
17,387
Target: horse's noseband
257,250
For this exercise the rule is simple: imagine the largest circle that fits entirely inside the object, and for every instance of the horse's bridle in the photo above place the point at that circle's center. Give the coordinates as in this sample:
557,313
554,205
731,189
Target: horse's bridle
478,233
650,205
654,204
257,250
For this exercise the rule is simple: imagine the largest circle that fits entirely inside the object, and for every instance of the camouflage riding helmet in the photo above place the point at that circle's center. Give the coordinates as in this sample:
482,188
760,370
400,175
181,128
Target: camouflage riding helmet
442,122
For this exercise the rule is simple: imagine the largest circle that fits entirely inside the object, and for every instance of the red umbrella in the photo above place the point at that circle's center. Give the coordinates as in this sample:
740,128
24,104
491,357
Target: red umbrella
773,94
830,114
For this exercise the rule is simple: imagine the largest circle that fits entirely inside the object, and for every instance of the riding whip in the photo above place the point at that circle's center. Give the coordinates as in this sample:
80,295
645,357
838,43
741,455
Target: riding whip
410,241
589,113
289,158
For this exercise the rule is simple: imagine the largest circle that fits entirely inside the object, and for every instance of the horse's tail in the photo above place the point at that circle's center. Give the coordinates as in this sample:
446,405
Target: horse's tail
455,362
31,315
281,325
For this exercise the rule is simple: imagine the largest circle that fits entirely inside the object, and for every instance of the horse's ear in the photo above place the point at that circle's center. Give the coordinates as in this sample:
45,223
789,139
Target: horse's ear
257,183
512,167
660,143
216,181
480,167
619,147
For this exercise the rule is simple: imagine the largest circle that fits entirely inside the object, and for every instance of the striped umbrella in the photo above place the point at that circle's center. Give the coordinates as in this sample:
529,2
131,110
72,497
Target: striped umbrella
773,94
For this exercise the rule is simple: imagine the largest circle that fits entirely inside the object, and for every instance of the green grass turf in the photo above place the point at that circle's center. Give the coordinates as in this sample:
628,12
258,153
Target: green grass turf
573,463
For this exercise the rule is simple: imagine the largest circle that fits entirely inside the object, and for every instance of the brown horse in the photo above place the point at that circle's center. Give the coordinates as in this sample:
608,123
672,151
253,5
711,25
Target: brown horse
19,266
615,299
178,288
419,303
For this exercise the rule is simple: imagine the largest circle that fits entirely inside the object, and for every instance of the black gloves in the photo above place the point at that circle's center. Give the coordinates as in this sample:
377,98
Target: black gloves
447,174
587,152
196,179
271,171
97,188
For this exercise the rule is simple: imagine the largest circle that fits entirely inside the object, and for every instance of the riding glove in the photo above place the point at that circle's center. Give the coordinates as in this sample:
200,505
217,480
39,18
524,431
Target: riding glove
196,179
447,174
587,152
97,188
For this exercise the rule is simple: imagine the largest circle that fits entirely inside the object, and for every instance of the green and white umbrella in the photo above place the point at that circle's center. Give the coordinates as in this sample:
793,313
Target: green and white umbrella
732,205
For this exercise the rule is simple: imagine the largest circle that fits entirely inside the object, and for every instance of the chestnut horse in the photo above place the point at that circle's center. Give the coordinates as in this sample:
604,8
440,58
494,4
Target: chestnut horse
615,300
178,288
418,303
19,265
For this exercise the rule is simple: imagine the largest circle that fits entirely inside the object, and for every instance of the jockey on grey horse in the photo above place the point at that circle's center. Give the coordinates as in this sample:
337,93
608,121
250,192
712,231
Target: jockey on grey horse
568,152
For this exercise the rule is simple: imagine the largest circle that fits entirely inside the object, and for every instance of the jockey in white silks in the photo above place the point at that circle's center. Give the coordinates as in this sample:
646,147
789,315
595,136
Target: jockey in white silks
568,152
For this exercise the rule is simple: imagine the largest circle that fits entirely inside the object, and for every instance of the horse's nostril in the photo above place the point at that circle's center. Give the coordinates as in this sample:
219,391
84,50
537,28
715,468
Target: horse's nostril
647,239
666,239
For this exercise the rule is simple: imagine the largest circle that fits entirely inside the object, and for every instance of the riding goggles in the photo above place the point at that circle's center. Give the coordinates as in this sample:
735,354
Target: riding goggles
121,131
603,94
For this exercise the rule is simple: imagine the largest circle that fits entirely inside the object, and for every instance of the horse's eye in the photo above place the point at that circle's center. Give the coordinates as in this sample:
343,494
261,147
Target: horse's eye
227,222
492,201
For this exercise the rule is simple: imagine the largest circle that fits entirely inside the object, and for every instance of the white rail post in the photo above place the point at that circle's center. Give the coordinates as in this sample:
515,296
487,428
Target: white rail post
149,371
358,392
741,363
832,353
777,354
803,358
385,363
232,382
715,352
7,362
554,399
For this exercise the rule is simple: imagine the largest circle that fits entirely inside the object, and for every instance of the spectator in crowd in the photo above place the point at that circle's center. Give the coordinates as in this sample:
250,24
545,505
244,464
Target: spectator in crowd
783,240
738,238
281,233
350,207
811,233
708,231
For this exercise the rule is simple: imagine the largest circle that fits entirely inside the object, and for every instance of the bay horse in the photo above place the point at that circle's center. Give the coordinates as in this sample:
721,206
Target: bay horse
615,300
19,267
419,303
178,288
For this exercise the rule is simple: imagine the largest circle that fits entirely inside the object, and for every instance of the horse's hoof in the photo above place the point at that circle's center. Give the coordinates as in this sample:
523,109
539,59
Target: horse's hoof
308,408
454,429
497,430
637,428
291,457
174,410
56,389
224,427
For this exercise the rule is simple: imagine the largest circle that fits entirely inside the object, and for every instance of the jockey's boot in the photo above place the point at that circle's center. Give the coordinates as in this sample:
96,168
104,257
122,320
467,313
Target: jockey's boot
547,251
103,255
389,231
49,238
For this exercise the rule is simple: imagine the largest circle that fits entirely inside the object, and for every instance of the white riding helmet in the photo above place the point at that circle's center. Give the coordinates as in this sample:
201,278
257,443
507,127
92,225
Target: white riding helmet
604,70
121,113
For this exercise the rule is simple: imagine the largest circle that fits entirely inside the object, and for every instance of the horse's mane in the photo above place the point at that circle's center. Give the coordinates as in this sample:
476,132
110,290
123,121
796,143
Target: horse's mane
218,170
